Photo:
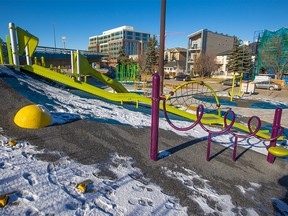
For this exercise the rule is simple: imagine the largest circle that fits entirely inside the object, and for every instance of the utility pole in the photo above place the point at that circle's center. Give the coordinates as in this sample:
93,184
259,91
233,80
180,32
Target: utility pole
162,44
54,37
64,41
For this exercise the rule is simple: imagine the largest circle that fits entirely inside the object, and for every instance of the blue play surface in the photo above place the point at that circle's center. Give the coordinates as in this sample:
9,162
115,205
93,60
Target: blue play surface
268,105
253,104
222,101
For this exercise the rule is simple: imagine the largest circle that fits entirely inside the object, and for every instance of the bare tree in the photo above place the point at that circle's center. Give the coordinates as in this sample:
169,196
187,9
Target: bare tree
141,61
204,65
274,55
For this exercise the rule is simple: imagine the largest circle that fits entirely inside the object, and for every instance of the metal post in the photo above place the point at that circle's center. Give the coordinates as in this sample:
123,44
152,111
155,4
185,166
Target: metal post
235,148
43,61
72,62
155,117
64,41
275,129
28,58
1,53
162,44
54,38
9,53
243,44
14,45
78,66
208,147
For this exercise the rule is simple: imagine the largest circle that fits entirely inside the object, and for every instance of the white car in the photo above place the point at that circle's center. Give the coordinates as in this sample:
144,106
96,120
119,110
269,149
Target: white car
267,85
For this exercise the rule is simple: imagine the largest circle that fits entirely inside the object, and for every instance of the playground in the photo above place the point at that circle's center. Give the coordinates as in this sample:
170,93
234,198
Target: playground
92,143
194,153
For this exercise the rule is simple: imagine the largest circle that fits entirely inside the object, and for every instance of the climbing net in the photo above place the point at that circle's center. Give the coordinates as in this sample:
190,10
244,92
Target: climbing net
189,95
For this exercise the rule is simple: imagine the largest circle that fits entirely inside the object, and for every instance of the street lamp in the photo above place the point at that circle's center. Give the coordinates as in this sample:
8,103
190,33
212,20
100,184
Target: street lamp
64,41
243,44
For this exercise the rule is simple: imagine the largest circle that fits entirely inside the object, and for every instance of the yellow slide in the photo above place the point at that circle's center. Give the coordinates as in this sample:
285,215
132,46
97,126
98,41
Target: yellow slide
117,97
126,97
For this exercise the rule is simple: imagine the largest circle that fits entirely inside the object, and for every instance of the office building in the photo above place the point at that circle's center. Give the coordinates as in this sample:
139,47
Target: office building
133,42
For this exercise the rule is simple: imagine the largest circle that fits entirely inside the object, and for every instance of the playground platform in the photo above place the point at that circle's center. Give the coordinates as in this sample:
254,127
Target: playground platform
221,172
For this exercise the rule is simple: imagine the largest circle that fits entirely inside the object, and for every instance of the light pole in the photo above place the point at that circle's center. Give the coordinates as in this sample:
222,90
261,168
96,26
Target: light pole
162,43
243,44
54,37
64,41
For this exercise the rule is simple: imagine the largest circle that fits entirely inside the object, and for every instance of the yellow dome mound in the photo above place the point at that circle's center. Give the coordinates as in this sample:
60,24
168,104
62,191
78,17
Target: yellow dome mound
33,116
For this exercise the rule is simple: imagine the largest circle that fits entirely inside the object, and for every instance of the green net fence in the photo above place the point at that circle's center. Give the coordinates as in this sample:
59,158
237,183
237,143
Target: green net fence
272,53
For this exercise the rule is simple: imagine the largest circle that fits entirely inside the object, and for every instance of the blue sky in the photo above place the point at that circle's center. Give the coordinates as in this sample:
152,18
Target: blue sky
80,19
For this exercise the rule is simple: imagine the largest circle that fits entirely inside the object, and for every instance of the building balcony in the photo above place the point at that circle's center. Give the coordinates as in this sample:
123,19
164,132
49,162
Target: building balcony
190,61
195,48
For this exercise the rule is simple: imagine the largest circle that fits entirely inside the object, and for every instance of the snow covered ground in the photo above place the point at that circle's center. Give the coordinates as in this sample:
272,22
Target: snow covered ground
38,187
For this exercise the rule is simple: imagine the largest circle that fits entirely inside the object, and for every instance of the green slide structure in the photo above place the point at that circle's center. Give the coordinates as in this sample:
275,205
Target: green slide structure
86,69
126,96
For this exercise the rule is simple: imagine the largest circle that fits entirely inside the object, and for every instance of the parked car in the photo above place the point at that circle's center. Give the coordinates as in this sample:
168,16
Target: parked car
229,82
267,85
183,77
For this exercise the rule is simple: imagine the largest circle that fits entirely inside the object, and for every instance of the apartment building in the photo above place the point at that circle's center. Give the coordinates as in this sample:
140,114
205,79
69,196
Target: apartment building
222,60
133,42
208,42
175,59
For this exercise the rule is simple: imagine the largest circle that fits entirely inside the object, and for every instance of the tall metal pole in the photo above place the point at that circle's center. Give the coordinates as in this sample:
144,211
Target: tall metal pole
54,37
243,47
162,44
14,46
64,41
72,62
28,58
78,66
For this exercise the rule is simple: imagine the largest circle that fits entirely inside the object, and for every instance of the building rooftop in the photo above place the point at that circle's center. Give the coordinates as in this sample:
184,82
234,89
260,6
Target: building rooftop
130,28
200,31
121,28
179,49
